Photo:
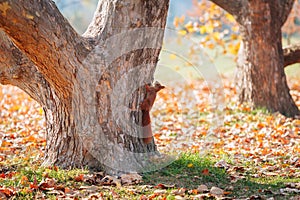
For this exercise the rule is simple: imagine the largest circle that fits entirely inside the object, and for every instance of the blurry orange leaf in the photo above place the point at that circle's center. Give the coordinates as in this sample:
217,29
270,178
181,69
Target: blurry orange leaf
6,144
8,192
24,180
235,28
202,29
234,36
229,17
189,27
205,172
265,151
33,186
190,165
209,29
79,178
179,20
234,48
164,186
182,32
30,138
216,36
2,175
173,56
211,46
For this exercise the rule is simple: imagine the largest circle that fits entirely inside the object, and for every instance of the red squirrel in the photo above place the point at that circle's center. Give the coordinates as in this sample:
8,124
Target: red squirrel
146,106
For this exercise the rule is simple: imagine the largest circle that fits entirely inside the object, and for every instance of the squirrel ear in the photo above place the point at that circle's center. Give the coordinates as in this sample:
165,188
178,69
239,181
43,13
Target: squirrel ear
158,85
158,88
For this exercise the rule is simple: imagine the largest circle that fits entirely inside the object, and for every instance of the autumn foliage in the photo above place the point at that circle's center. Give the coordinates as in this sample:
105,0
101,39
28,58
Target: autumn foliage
182,123
218,28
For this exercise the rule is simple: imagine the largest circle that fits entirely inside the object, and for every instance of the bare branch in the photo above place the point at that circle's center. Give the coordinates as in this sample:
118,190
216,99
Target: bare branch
39,30
291,54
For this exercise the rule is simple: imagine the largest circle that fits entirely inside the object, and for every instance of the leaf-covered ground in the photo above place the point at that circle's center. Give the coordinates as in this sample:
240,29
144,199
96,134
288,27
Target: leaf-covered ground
225,151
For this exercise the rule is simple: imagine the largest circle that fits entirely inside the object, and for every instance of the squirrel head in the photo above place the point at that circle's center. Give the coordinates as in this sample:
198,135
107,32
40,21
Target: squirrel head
157,87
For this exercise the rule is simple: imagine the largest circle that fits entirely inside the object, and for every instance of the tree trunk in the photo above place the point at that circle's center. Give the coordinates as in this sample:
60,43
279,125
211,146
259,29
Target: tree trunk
90,86
261,76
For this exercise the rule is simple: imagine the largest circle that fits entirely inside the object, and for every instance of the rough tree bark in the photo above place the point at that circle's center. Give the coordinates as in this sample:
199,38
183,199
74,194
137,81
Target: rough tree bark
260,76
89,86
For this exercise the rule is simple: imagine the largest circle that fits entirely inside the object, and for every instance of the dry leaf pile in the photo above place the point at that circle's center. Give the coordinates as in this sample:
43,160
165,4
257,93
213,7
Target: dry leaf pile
186,118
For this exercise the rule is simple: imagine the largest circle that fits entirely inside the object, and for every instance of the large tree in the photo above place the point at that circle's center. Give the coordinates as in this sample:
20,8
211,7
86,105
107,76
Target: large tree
260,76
90,86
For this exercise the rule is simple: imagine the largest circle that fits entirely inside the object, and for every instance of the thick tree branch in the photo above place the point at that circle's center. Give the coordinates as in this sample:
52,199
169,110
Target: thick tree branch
286,6
113,17
96,26
16,69
39,30
233,7
291,54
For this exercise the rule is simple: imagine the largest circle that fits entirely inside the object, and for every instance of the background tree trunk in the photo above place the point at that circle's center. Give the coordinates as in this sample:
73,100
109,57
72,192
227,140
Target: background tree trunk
261,78
291,54
91,85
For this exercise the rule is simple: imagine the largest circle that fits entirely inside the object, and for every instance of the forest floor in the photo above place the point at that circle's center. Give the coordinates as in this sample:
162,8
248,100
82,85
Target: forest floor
224,151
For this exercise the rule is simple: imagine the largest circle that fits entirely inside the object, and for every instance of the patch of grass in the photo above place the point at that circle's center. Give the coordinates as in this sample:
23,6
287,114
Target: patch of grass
263,186
189,171
23,174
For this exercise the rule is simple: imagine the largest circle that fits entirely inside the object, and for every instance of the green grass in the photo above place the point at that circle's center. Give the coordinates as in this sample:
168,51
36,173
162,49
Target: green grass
26,172
180,174
188,171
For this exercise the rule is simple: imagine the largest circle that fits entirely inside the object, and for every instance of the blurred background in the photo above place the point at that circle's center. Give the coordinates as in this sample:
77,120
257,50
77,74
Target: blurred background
200,38
80,12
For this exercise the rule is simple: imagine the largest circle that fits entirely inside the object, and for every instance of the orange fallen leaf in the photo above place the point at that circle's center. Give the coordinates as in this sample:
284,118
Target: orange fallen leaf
2,175
24,180
79,178
205,172
7,191
190,165
164,186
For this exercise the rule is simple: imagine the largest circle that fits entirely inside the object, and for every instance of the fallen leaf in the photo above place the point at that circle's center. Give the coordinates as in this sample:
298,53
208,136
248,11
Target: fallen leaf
164,186
180,191
216,191
202,189
7,191
129,179
160,192
205,172
110,180
190,165
79,178
222,164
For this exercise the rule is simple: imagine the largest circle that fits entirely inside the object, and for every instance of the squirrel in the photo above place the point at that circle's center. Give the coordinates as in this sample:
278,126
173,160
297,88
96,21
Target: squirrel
146,106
